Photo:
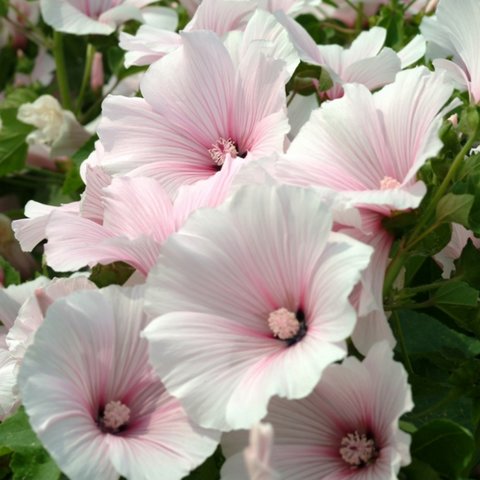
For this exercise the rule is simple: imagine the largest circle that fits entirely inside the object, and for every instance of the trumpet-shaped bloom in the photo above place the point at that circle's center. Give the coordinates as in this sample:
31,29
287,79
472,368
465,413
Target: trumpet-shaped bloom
252,299
94,400
103,229
219,16
453,32
375,162
186,124
99,17
366,61
347,428
22,310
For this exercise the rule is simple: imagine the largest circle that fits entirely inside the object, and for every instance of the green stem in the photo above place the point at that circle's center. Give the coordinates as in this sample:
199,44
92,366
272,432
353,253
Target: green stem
441,190
87,72
430,286
393,270
396,264
62,78
401,343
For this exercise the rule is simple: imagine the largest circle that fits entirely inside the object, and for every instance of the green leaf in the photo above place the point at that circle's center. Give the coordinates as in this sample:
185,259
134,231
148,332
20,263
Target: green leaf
10,275
435,241
8,61
13,147
445,446
17,97
469,120
73,182
29,459
466,267
425,334
34,463
210,469
456,293
16,433
3,8
419,470
116,273
455,208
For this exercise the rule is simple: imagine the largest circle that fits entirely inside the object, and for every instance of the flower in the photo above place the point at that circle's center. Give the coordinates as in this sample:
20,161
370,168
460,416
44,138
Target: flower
373,163
347,428
95,402
99,17
452,32
366,61
55,127
22,313
252,301
186,124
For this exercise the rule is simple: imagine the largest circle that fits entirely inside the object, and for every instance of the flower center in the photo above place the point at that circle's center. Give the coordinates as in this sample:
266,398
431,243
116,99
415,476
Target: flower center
114,418
220,149
287,326
389,183
358,450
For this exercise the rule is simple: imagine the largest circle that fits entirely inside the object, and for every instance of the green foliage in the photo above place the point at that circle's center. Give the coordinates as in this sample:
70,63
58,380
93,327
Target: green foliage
445,446
13,146
11,276
455,208
116,273
28,459
4,8
8,61
210,469
73,184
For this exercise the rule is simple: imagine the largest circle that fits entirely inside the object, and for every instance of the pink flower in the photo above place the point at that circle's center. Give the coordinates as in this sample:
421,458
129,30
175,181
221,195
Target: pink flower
99,17
103,229
366,61
452,32
186,124
258,289
22,313
95,402
374,162
237,23
347,428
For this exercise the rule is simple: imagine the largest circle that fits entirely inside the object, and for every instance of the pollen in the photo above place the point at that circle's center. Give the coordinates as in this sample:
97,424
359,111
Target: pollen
389,183
284,324
115,416
220,149
358,450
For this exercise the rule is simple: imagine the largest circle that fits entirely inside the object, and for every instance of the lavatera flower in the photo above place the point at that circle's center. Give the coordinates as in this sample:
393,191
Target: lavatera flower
187,123
95,402
347,429
101,17
252,301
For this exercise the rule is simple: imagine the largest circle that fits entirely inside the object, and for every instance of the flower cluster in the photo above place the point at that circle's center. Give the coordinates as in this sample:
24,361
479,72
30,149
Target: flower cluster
239,209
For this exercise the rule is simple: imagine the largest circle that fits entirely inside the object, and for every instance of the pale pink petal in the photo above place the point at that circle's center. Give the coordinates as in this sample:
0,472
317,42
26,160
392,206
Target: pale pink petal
148,45
413,51
31,231
75,242
87,354
228,292
136,207
14,296
221,16
64,17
